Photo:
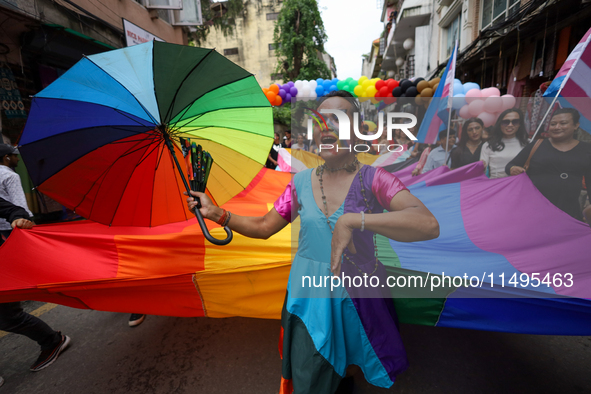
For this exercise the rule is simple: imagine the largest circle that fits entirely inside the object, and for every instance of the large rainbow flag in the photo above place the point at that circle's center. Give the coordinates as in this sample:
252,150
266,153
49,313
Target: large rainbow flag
502,226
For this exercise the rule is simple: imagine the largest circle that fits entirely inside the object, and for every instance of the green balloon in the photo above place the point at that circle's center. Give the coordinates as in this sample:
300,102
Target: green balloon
341,85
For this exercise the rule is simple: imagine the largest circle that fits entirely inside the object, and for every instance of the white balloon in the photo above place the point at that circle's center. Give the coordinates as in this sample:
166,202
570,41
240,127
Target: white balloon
313,84
298,84
305,91
313,95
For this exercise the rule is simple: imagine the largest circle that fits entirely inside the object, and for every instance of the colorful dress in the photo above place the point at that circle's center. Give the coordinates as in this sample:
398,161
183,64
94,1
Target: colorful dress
324,332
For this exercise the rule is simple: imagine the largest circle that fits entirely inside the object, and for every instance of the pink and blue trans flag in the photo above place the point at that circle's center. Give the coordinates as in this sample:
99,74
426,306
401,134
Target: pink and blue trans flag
572,85
432,124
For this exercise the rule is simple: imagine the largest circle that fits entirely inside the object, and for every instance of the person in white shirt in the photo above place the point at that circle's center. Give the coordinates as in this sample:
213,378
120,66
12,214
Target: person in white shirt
508,138
437,157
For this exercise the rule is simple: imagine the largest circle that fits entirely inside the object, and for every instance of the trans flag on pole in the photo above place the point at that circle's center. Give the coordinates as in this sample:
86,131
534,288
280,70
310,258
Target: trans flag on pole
439,106
573,82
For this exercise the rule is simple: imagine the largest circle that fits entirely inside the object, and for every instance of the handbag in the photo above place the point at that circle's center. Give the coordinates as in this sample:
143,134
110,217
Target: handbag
534,149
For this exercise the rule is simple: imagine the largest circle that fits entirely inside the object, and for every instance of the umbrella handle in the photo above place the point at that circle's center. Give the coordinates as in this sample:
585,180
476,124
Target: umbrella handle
208,236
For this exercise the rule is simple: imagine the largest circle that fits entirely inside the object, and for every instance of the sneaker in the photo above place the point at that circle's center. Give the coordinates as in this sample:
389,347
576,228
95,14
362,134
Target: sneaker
136,319
48,357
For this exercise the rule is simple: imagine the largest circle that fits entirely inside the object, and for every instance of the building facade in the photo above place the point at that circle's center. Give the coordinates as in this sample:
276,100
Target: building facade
514,45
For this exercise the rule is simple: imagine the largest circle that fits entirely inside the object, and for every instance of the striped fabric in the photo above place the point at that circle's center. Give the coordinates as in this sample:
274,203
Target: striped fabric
572,84
439,106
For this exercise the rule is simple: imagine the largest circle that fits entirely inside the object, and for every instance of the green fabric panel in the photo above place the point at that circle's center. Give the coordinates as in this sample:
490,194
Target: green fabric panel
415,304
386,254
311,373
244,93
182,74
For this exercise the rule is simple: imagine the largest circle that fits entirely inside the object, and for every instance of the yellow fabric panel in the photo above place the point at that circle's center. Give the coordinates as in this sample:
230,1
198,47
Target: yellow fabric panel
311,160
257,293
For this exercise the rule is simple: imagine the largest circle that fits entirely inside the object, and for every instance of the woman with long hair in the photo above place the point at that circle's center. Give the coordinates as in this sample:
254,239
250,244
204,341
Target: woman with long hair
507,140
341,203
470,145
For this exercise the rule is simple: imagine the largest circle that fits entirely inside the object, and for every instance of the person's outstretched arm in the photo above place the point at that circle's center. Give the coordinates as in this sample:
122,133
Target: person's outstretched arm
251,226
15,215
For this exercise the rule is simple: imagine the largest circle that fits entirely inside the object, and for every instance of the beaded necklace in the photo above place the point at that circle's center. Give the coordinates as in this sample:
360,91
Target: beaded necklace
319,171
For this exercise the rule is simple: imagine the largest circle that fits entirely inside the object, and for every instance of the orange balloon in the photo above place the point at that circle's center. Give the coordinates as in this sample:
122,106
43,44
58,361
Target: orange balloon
435,87
427,92
278,100
265,90
271,96
418,100
422,85
274,88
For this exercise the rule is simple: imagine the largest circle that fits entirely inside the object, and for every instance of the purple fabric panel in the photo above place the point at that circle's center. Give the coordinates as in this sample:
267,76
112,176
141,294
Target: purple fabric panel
458,175
374,305
385,186
411,180
509,216
287,203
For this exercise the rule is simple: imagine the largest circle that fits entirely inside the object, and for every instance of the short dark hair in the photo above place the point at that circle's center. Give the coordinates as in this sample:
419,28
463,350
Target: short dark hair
443,133
573,112
346,95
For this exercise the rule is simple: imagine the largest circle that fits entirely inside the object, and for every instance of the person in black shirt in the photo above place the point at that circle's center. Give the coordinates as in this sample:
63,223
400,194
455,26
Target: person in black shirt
470,145
560,163
273,155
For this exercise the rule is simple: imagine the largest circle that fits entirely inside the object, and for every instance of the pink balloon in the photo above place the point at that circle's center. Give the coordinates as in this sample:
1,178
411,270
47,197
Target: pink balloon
508,101
473,94
493,104
487,118
486,92
476,107
464,112
494,92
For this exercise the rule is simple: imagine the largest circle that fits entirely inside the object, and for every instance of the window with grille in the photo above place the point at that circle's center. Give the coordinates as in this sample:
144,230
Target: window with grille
275,77
272,47
452,32
494,11
410,66
230,51
272,16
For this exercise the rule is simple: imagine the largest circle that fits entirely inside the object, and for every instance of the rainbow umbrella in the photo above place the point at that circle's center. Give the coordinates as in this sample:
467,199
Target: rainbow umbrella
103,138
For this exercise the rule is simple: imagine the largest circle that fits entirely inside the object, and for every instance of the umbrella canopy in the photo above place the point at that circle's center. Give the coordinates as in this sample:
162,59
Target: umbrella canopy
95,139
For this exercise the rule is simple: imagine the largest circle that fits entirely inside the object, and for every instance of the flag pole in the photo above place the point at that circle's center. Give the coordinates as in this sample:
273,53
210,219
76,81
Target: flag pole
449,107
546,114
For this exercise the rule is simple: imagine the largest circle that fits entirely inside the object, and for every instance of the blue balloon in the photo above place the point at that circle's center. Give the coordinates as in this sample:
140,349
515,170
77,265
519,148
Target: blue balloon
319,90
319,81
469,86
335,81
458,101
326,85
333,88
458,87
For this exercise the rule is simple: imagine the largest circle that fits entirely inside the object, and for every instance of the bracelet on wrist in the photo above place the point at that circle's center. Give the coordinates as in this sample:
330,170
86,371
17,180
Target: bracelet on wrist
362,221
222,218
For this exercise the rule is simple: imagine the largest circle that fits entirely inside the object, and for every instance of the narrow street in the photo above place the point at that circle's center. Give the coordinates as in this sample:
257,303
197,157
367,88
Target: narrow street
239,355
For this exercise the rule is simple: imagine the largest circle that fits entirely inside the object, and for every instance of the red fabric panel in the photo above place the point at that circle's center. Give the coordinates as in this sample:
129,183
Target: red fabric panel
59,264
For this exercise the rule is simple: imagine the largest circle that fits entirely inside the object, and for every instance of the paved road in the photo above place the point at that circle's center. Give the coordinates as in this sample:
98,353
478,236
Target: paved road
239,355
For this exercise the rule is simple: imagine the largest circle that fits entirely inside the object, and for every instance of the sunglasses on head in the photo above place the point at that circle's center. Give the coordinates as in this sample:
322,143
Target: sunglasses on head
507,122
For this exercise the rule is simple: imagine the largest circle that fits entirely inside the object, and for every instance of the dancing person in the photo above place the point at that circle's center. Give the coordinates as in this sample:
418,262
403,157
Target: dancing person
274,153
558,165
12,317
470,145
437,157
508,138
341,205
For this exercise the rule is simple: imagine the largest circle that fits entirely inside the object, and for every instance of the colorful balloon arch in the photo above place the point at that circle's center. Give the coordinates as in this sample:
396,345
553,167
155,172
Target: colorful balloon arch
469,100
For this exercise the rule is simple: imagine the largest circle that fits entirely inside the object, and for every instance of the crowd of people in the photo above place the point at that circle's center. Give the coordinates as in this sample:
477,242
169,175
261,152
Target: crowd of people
560,169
